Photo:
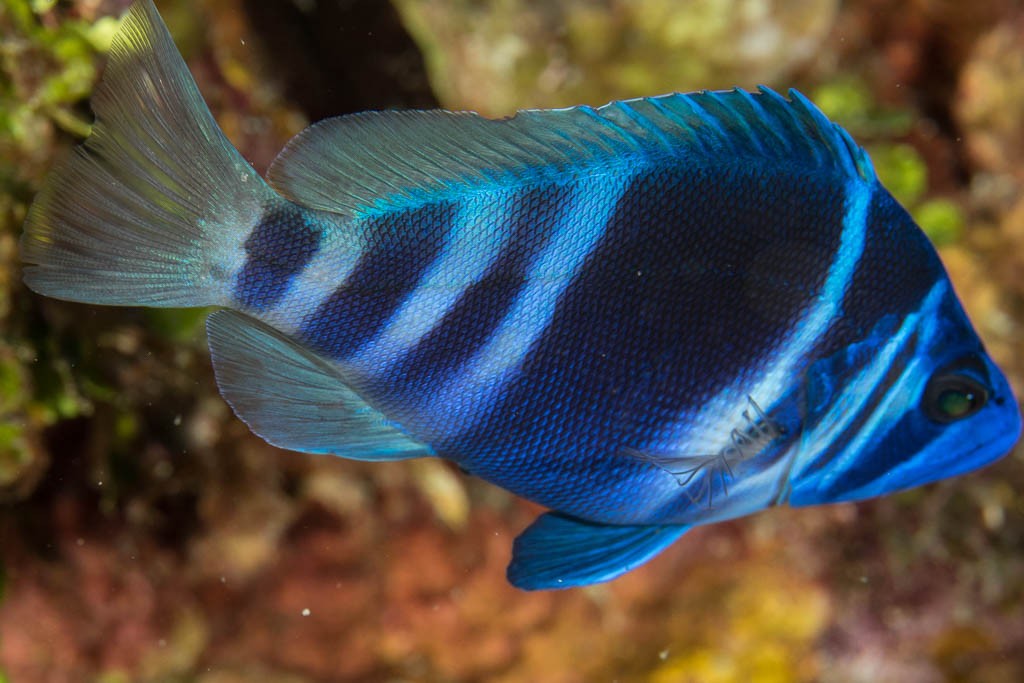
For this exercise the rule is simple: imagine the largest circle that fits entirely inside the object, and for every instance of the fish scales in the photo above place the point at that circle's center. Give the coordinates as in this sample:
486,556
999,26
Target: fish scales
472,319
897,278
399,248
637,365
279,247
464,260
646,316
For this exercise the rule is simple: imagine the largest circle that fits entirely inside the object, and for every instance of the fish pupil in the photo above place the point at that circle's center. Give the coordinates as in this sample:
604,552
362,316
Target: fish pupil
953,396
956,403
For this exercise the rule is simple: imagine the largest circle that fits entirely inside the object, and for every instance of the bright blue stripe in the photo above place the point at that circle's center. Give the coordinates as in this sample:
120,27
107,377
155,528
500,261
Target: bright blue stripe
768,383
898,270
474,318
835,443
477,237
670,309
400,248
340,250
899,358
480,382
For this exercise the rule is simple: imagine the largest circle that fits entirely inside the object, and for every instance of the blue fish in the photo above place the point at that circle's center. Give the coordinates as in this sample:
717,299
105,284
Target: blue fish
655,314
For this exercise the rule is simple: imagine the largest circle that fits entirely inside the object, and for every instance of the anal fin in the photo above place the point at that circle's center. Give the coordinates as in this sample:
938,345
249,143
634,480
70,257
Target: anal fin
294,399
558,551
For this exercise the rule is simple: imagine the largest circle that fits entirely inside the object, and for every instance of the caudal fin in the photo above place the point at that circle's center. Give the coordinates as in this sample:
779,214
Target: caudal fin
153,207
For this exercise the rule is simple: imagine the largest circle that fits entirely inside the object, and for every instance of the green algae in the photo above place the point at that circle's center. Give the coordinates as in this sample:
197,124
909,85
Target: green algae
48,67
942,220
499,56
901,168
848,100
387,580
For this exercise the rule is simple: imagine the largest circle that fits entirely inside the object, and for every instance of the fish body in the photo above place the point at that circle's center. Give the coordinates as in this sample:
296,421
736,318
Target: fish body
655,314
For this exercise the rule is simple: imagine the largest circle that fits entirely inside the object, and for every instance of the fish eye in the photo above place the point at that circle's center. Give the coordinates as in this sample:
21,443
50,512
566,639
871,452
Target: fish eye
953,394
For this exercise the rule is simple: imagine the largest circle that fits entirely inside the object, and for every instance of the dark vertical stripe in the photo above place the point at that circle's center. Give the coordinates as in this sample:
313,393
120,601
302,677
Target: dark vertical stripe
279,247
480,309
401,247
698,276
897,270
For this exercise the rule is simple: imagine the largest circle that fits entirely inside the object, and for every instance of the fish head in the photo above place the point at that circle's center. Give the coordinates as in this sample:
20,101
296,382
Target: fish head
918,400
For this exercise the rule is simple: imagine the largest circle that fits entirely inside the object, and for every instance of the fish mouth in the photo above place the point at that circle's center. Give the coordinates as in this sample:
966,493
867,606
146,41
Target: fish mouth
885,447
946,457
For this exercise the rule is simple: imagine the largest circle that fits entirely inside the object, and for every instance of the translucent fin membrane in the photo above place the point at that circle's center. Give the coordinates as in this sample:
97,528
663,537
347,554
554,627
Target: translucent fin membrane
150,210
296,400
558,551
376,161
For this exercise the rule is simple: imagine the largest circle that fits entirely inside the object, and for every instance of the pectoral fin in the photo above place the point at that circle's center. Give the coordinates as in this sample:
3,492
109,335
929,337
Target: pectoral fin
558,551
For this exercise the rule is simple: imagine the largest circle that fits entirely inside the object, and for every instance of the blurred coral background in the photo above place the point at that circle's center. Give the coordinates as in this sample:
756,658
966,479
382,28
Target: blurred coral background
146,535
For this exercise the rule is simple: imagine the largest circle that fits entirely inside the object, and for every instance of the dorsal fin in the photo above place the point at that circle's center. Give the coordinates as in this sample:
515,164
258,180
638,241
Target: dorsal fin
377,161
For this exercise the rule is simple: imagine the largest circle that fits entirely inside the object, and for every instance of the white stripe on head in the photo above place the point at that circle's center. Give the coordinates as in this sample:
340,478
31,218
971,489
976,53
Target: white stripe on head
859,389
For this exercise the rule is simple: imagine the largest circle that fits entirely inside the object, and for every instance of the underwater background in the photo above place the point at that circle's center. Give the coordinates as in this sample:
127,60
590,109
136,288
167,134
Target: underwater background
147,535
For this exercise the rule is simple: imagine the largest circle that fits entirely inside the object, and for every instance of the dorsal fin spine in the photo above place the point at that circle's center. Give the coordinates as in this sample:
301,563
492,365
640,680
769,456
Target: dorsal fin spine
707,116
646,124
624,135
777,101
403,158
756,136
666,112
816,123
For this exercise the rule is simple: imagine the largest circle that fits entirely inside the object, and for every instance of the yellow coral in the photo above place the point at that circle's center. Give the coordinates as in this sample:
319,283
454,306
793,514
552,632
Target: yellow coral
767,624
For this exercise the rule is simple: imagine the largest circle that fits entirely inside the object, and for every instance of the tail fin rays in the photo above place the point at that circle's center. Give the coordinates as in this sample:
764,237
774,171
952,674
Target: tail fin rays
153,207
